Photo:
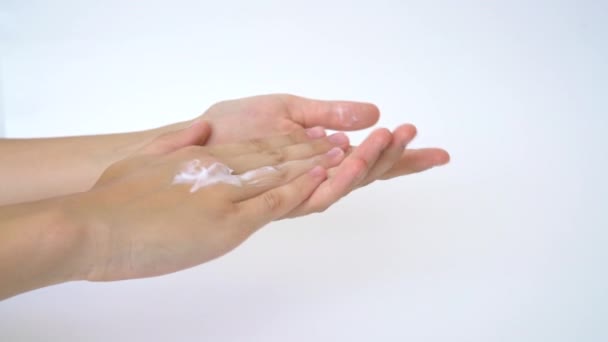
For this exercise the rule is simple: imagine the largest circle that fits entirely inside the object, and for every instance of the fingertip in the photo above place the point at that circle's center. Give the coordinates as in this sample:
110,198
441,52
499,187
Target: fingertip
318,172
202,130
404,134
383,131
196,122
355,115
336,154
370,111
339,139
406,129
442,157
382,136
316,132
336,115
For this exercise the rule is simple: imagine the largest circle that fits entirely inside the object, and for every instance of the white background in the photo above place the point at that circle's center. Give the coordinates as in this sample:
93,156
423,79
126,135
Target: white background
507,243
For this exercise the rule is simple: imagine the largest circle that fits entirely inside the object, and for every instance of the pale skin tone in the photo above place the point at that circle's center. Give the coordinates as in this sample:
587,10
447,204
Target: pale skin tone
43,168
75,221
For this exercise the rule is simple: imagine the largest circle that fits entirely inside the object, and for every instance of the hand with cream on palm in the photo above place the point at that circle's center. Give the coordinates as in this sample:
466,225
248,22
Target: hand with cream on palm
176,204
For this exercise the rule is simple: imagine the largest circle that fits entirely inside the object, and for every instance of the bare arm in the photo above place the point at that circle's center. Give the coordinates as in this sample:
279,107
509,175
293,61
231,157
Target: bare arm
34,169
137,221
53,240
41,244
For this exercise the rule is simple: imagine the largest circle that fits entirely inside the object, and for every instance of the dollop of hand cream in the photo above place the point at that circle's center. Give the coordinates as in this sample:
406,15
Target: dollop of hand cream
200,176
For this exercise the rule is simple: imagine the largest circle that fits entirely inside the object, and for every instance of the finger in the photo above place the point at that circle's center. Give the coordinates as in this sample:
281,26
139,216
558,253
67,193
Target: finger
370,151
195,134
418,160
348,174
337,115
276,203
262,179
284,154
402,136
263,144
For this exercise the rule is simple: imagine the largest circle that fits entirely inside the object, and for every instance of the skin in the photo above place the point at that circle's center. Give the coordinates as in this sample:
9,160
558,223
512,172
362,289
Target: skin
49,167
381,156
100,207
135,223
268,115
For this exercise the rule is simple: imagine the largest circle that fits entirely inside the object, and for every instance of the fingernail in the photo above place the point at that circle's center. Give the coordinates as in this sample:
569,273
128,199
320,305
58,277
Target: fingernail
338,138
317,172
315,132
335,152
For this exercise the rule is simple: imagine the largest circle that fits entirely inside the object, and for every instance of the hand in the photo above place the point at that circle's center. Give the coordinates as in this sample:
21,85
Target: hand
153,214
381,156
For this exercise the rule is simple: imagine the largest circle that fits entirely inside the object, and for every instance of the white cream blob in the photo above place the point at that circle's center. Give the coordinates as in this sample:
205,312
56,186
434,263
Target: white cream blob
200,176
257,176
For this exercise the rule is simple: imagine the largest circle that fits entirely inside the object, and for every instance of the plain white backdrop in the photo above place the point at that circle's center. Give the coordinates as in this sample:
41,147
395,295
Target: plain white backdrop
507,243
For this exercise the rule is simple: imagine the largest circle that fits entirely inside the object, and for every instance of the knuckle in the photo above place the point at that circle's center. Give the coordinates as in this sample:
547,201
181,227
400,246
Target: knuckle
283,175
304,151
290,138
272,201
285,99
359,164
286,127
277,156
280,176
258,144
296,137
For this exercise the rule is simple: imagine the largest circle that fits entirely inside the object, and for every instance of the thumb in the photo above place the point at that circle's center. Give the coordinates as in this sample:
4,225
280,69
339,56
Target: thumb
195,134
337,115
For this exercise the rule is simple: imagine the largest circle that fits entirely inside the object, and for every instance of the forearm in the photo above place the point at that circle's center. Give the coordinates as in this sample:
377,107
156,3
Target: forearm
41,244
34,169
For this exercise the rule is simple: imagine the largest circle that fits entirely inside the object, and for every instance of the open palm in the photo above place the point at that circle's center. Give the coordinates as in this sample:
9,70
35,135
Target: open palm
381,156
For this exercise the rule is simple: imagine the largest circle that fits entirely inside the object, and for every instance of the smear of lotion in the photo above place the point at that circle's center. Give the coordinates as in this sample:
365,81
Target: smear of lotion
348,120
257,176
200,176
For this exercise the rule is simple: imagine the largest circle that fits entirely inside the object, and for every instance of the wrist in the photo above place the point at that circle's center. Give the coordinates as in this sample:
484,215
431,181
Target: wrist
80,244
41,244
65,240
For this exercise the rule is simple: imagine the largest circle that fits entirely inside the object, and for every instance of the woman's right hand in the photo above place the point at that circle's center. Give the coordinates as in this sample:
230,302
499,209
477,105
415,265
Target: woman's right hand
157,211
